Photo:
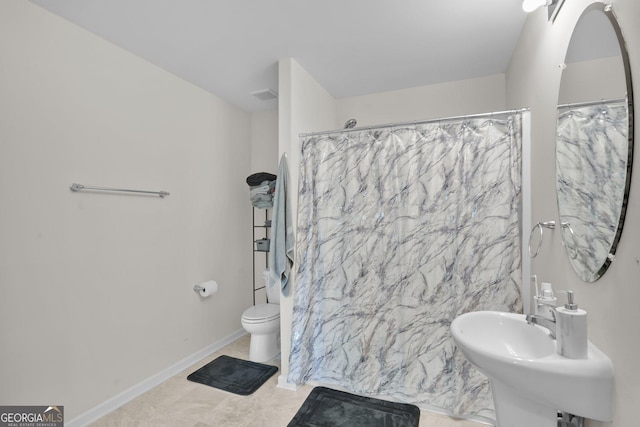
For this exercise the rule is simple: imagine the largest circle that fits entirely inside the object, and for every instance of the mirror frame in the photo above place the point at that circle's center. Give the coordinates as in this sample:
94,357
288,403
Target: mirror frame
624,53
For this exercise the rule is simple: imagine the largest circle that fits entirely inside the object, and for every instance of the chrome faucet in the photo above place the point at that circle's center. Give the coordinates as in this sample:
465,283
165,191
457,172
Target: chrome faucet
545,322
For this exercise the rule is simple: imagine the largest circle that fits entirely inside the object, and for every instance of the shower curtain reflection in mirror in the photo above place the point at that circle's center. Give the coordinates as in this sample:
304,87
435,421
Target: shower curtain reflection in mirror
400,230
592,151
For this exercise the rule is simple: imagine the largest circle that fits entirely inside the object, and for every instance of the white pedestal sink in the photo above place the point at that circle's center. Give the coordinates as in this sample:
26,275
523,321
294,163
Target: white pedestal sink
529,380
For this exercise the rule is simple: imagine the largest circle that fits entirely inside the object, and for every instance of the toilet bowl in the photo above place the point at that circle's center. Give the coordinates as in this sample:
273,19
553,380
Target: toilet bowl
262,321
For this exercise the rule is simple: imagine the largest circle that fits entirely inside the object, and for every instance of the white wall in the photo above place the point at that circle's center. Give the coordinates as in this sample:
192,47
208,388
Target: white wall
472,96
533,79
264,158
303,106
592,80
264,141
96,289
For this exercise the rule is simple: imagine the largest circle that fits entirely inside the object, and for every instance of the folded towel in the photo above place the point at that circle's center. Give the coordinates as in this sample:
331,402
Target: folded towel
262,204
261,196
282,238
264,188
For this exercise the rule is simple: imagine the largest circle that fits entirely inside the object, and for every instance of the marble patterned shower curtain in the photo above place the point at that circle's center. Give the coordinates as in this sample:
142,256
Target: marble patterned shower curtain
592,149
400,230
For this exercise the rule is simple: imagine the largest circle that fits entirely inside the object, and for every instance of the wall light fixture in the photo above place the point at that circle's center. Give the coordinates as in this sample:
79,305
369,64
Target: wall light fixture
553,6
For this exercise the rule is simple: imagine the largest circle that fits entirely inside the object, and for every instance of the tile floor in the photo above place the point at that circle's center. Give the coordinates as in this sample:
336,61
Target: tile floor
179,402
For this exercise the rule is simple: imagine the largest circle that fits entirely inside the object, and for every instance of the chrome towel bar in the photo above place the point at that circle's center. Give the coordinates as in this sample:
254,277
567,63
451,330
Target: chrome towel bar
79,187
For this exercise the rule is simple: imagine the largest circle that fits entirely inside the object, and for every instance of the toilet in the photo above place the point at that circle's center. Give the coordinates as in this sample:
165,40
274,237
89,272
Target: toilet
262,321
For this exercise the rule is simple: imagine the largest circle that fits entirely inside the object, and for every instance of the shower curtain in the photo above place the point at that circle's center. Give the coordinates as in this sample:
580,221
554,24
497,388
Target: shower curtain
400,230
592,149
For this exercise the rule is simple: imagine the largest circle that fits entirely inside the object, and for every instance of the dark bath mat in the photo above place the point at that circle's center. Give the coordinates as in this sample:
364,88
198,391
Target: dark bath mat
331,408
233,375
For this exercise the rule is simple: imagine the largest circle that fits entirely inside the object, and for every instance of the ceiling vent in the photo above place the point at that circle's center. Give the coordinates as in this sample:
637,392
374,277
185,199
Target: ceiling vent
265,94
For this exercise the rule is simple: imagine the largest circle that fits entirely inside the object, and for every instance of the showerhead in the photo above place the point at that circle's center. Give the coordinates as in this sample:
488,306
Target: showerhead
350,123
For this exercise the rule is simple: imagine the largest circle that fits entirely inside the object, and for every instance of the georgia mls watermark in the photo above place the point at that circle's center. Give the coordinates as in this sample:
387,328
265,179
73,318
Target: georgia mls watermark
32,416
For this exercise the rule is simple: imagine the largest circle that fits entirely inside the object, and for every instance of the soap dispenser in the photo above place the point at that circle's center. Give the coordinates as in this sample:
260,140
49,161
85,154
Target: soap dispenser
571,330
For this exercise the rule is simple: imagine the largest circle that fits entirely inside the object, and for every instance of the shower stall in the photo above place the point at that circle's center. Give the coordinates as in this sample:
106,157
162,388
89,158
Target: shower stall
401,228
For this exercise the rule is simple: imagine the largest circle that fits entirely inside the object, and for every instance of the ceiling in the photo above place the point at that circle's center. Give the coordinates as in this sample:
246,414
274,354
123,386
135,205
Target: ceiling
351,47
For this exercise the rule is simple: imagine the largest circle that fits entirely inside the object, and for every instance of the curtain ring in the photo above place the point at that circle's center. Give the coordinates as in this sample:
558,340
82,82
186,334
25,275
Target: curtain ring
540,225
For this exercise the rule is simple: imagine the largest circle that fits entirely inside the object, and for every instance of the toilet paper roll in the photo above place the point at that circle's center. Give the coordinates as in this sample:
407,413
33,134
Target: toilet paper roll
207,288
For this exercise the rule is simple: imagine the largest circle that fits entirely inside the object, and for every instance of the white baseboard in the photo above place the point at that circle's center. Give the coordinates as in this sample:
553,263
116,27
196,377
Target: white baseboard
282,383
126,396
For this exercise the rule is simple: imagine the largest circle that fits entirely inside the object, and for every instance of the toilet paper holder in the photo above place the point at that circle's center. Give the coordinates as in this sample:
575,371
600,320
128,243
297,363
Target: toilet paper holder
206,289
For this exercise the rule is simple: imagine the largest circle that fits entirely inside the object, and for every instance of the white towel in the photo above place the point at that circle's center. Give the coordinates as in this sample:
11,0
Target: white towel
282,238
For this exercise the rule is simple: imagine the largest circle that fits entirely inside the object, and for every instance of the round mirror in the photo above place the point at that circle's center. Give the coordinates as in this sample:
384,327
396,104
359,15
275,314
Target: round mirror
594,142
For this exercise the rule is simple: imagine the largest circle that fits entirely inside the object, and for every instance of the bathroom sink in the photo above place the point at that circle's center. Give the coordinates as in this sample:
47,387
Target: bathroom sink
500,337
528,378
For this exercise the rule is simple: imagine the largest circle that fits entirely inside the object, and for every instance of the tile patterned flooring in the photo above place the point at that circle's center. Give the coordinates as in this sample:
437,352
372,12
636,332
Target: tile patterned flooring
179,402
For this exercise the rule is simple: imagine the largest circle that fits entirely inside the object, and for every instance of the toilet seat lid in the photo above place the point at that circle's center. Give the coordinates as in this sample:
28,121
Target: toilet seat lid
261,313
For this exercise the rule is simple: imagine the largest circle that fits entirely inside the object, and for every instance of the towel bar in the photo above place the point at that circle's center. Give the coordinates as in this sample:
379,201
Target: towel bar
79,187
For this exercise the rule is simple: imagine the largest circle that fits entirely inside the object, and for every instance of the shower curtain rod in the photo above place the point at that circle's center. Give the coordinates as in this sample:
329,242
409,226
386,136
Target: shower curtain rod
591,103
416,122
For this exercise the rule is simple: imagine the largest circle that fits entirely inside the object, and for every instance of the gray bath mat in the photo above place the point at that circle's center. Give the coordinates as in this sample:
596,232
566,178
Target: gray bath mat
331,408
233,375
